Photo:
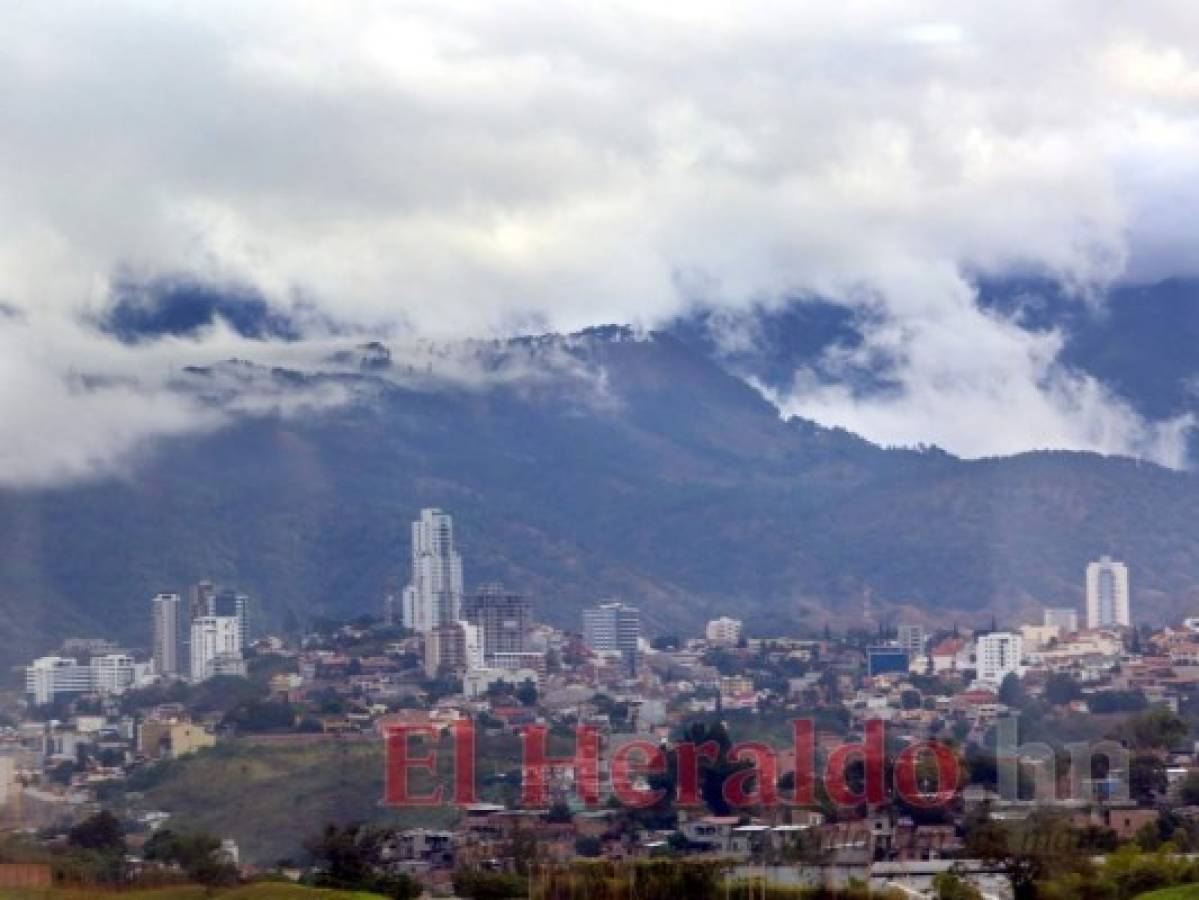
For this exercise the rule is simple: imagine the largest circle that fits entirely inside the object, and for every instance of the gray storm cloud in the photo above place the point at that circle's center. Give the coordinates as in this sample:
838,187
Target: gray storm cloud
487,168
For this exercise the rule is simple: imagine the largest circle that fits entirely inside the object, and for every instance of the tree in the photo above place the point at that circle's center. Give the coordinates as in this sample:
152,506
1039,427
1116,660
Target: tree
1061,689
62,773
1146,777
1188,790
559,814
479,885
526,693
257,716
197,853
951,886
1157,728
1011,691
1042,846
102,832
714,774
589,846
352,858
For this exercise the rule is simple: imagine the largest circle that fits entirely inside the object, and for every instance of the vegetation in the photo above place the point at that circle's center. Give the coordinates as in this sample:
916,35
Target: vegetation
668,879
352,857
265,505
288,784
264,891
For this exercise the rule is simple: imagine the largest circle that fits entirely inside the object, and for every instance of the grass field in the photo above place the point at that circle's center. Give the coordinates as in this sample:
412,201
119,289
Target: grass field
249,892
1178,892
271,796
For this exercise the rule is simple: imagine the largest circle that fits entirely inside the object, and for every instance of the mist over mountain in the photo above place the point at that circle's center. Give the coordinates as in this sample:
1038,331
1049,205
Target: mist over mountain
1135,340
577,467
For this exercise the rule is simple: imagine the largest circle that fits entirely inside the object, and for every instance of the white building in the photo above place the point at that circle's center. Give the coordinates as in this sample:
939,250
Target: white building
1107,594
1063,618
998,655
8,779
724,631
231,603
476,682
49,676
115,673
911,638
434,597
166,634
472,640
215,647
613,628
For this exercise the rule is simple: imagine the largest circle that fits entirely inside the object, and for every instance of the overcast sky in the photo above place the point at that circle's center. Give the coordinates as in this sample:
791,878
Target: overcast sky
453,169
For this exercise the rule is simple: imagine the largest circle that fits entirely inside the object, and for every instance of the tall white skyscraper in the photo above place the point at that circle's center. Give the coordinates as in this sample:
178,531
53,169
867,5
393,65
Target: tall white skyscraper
215,647
434,597
166,634
1107,594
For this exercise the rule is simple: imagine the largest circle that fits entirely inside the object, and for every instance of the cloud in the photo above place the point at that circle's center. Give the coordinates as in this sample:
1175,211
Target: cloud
1003,391
80,404
483,169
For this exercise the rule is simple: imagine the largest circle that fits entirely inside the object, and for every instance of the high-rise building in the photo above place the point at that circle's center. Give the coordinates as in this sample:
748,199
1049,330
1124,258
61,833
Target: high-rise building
1107,594
200,600
911,639
1064,619
614,628
215,647
503,618
434,597
724,631
453,648
166,634
228,603
116,673
999,654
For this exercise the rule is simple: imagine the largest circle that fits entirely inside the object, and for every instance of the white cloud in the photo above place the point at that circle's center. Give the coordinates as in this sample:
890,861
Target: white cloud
481,168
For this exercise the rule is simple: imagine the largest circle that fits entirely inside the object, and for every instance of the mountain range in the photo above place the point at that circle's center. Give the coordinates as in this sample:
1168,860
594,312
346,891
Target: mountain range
578,467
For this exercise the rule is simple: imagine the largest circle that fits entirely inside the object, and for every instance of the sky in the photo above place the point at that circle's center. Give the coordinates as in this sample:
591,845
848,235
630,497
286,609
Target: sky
439,171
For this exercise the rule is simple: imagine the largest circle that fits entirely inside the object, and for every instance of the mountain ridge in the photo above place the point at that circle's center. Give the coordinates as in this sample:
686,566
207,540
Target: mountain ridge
633,466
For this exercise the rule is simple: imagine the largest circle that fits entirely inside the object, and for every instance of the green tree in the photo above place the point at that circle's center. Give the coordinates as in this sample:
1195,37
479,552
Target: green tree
351,858
197,853
1146,777
1061,689
1042,846
1011,691
1188,790
102,832
526,693
479,885
1157,728
951,886
559,814
589,846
